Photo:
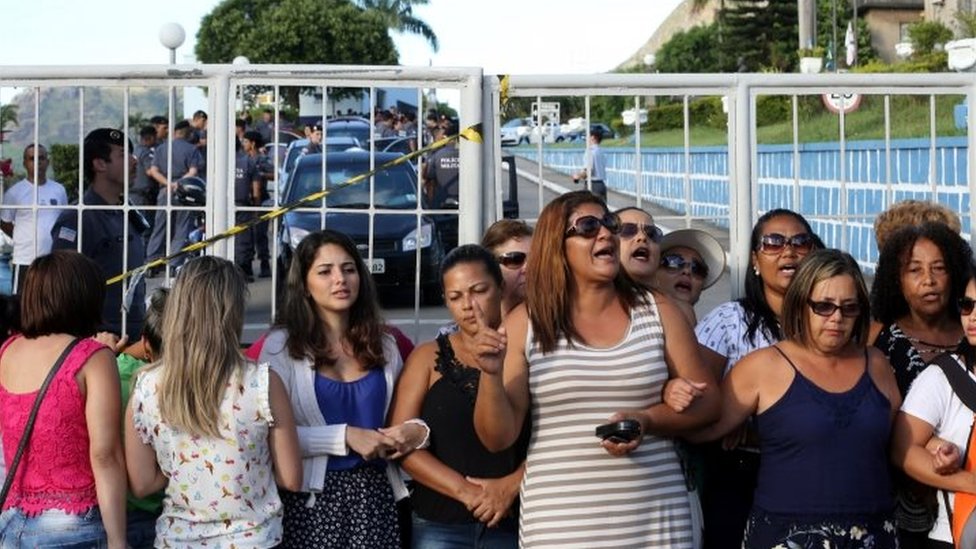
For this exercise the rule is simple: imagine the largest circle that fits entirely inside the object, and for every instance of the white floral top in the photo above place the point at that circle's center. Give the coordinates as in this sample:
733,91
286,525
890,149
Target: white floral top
221,492
724,331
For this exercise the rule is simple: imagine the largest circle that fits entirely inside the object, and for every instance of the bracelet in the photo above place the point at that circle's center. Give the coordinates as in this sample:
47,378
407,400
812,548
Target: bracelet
426,442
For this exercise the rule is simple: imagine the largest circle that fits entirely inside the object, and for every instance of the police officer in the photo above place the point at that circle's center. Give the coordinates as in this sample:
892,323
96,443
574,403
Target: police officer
106,234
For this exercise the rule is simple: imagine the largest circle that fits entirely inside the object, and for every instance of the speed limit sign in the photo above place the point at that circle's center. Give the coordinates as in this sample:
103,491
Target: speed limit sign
842,102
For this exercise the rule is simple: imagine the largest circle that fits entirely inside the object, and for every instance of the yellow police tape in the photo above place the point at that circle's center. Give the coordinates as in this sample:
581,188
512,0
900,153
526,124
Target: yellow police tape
503,90
471,133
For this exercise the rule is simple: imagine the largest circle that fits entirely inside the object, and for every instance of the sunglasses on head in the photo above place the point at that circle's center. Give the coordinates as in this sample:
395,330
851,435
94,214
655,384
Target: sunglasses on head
588,226
674,262
630,230
775,243
826,308
512,260
966,305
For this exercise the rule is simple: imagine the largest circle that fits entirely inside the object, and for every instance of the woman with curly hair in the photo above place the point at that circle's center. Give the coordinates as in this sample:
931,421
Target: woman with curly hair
922,271
339,366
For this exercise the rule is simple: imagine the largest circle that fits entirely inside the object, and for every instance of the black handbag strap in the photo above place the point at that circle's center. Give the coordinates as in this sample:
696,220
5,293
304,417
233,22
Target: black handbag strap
959,380
12,466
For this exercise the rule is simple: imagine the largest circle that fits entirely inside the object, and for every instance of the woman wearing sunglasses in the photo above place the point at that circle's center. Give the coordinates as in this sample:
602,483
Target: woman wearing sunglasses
822,402
691,261
465,496
589,348
509,241
780,240
640,250
922,271
933,409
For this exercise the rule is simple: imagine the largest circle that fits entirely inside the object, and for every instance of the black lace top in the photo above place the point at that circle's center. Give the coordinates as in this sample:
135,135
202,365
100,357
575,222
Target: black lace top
448,409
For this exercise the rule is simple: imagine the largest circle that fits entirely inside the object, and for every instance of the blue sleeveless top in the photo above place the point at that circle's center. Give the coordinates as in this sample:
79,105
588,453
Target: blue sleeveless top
825,453
357,403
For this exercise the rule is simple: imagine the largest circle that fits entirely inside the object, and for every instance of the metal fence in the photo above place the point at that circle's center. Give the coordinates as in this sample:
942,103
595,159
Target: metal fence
840,186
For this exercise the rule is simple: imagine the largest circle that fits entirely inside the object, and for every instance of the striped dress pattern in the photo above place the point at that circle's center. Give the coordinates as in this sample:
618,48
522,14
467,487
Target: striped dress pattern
575,494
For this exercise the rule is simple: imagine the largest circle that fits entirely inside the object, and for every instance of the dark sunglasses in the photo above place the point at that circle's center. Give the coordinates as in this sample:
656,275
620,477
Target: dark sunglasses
774,243
512,260
630,230
588,226
966,305
826,308
674,262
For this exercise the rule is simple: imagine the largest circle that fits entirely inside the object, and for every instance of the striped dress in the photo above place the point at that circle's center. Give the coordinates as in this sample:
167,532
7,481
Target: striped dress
575,494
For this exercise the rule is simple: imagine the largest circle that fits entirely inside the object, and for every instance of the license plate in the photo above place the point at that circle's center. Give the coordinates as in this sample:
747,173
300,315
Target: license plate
378,266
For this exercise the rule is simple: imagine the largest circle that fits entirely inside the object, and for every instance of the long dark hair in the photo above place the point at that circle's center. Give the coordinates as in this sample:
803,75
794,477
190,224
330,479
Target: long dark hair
966,350
306,330
759,316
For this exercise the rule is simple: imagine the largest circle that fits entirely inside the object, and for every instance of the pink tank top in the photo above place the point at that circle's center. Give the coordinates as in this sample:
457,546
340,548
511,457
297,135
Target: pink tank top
55,471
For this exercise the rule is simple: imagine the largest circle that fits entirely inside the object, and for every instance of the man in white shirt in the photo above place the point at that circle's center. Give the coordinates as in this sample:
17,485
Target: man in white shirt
31,241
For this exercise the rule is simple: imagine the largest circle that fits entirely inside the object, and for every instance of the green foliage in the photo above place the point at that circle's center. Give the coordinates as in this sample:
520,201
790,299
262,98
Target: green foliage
8,117
695,50
757,34
926,34
294,32
966,24
64,162
398,15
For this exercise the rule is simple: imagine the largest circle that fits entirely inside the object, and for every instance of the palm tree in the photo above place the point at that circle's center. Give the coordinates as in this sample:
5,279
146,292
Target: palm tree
8,116
398,15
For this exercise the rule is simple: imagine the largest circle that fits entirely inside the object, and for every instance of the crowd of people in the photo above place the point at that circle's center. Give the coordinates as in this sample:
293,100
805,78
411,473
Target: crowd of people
575,400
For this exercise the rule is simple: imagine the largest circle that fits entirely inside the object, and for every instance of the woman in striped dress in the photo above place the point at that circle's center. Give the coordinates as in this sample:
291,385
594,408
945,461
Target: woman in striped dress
589,348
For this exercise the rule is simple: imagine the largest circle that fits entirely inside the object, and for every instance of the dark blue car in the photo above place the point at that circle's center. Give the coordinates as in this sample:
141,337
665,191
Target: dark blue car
396,236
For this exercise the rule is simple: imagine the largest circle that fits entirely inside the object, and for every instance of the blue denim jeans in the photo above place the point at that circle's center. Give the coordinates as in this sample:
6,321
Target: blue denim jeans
428,534
52,529
140,528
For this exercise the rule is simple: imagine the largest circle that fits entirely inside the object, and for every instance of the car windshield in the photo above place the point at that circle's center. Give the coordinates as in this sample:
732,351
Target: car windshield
346,129
394,188
514,123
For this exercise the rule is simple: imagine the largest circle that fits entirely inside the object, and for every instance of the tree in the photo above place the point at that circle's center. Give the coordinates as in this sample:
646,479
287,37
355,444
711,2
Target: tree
758,34
694,50
926,34
8,117
294,32
398,15
825,31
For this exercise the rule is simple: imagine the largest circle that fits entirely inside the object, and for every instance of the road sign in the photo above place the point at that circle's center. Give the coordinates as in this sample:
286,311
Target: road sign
837,102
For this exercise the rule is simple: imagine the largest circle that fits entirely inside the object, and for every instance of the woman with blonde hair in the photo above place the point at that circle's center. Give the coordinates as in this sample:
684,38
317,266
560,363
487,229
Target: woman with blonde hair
211,427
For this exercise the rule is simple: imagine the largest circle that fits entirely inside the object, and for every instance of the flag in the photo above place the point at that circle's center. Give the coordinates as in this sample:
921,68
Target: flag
850,44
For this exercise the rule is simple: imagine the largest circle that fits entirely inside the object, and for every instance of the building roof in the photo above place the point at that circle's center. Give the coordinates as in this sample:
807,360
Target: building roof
865,5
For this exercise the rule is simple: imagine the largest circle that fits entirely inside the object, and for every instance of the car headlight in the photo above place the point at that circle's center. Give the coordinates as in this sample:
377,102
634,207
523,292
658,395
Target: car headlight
412,242
296,235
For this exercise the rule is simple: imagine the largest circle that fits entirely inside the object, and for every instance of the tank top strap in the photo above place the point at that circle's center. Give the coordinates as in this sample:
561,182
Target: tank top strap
780,351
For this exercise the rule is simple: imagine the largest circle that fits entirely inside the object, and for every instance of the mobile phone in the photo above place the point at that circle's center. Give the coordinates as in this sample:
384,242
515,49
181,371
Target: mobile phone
619,431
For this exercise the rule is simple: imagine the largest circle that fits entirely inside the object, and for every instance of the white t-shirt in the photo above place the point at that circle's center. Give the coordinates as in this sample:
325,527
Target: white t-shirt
50,193
932,400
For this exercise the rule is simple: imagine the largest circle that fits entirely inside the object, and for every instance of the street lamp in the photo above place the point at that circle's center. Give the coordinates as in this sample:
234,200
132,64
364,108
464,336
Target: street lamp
171,36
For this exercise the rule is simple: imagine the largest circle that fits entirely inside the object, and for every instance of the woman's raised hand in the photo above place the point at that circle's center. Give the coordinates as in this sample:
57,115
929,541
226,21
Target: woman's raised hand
489,343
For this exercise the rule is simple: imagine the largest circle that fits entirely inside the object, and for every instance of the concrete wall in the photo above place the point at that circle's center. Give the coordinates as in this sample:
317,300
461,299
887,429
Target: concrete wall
885,25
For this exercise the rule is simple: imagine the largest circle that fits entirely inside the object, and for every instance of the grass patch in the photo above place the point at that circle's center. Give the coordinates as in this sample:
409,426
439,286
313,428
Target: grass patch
909,118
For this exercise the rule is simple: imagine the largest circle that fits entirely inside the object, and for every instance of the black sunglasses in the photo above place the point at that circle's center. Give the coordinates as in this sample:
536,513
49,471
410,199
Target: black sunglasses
826,308
630,230
512,260
775,243
966,305
674,262
588,226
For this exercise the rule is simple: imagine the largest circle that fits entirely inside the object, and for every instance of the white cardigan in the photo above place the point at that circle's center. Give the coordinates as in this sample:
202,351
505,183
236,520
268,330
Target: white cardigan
317,439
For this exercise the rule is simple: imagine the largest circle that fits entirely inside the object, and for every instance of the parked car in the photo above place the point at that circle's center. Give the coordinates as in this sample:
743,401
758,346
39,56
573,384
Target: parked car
402,145
349,126
396,237
516,131
573,132
333,143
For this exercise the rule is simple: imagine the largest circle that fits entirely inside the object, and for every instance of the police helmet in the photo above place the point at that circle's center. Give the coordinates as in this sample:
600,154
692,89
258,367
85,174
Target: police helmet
191,191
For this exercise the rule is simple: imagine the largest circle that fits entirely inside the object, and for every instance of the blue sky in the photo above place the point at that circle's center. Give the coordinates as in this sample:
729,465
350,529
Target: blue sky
503,36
